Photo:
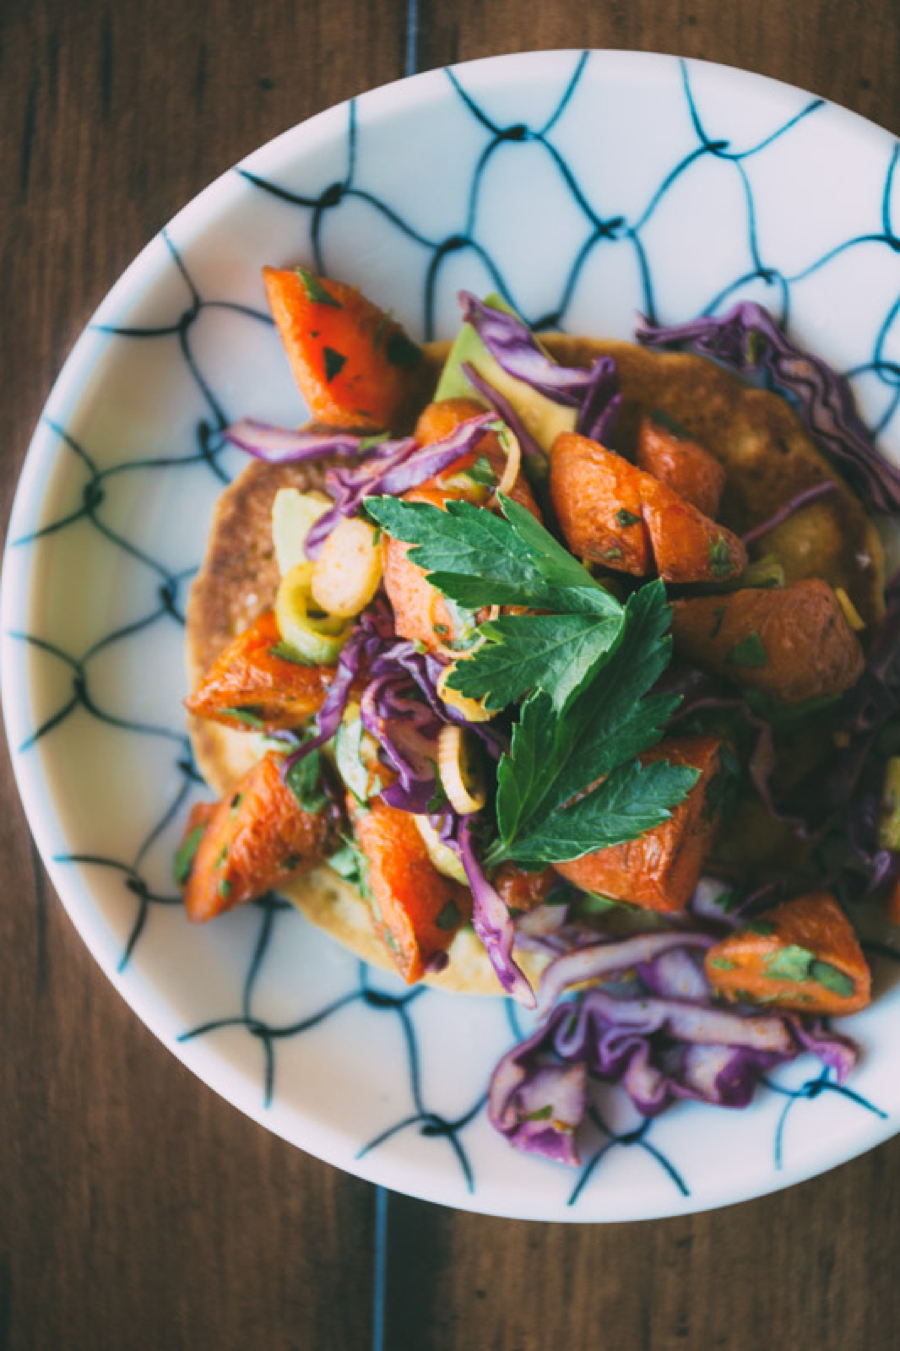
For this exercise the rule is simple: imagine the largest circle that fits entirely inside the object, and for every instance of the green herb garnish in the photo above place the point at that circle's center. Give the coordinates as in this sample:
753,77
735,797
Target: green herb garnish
401,350
720,560
315,291
789,963
571,781
449,918
626,518
303,780
722,964
831,978
539,1114
764,928
186,853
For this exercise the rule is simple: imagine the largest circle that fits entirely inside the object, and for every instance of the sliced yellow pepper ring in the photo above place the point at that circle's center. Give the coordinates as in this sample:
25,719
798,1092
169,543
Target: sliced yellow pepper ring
459,770
441,855
318,638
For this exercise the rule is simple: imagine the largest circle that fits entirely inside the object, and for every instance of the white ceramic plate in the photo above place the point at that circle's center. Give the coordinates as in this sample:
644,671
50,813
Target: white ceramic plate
589,186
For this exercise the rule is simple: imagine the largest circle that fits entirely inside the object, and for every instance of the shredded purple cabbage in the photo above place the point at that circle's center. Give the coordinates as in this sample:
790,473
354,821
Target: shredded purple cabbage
593,389
748,340
374,629
602,959
491,919
285,445
599,413
794,504
393,468
407,730
673,1043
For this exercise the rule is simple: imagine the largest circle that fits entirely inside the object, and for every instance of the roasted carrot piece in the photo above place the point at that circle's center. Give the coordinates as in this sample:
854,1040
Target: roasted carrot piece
661,868
613,513
521,890
599,504
420,612
801,955
417,910
668,453
255,839
355,366
438,420
792,644
687,546
252,685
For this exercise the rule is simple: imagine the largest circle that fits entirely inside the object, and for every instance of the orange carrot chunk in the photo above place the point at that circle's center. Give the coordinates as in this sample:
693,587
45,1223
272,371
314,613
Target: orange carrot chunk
599,504
355,366
417,910
667,451
793,643
256,683
661,868
420,612
256,838
614,513
801,955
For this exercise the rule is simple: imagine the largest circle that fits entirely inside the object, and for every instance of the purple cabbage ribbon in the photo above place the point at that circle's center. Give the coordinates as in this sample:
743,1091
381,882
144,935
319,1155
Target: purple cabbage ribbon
491,919
748,340
593,390
669,1044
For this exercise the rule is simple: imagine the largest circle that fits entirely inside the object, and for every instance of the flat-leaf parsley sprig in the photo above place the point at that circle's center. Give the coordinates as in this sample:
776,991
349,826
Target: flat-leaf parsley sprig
572,781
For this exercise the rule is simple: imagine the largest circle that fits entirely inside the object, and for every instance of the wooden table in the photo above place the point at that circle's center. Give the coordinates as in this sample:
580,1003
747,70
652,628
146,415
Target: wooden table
138,1210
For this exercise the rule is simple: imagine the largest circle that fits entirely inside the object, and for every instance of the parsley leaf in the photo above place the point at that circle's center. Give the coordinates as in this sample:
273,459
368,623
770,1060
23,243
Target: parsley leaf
303,780
630,800
315,291
554,756
477,558
556,652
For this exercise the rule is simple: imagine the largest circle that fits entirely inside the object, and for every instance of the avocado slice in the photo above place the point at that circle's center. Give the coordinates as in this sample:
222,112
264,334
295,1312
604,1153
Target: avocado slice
543,418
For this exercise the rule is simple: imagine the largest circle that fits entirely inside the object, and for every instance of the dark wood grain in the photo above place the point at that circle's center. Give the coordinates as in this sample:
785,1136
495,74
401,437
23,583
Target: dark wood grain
137,1209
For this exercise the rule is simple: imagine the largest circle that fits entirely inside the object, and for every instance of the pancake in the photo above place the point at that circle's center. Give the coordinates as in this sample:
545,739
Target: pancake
768,456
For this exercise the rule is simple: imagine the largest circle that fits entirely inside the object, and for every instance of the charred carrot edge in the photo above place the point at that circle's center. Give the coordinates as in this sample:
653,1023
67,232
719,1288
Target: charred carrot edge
802,955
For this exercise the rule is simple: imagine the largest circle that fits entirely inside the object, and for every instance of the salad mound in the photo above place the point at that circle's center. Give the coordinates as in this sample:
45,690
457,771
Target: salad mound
560,668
